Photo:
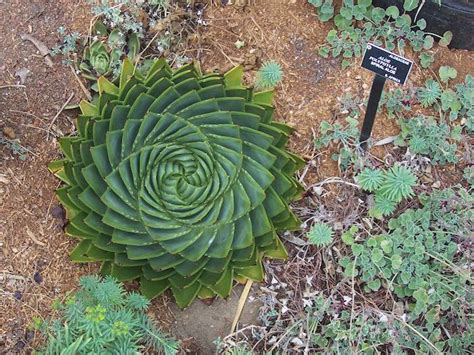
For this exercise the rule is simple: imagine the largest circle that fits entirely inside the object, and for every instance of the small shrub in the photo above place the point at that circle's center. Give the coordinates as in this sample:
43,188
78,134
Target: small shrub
101,318
390,187
423,135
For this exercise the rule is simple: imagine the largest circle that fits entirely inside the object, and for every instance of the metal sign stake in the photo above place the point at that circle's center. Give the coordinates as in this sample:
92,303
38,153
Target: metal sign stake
372,106
385,65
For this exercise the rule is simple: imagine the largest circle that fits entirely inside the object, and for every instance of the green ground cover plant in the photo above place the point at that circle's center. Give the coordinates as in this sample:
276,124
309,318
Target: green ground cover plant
390,187
101,318
359,22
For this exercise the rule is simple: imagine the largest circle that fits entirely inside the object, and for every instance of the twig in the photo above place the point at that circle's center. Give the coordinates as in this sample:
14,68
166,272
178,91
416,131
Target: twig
84,89
240,306
44,51
334,180
33,238
59,112
12,86
28,114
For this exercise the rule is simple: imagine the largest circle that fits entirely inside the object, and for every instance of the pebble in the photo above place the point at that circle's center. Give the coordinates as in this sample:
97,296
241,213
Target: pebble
9,132
37,277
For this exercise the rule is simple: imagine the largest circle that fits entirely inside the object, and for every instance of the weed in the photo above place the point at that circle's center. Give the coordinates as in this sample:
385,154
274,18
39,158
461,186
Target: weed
102,318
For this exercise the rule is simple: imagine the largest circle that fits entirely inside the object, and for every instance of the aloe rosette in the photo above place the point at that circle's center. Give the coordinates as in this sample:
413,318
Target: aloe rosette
179,179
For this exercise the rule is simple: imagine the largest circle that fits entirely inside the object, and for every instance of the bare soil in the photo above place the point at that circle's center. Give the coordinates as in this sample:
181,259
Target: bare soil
34,263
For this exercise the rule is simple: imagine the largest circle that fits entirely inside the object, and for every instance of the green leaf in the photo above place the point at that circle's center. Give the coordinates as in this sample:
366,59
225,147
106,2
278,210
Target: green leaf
263,97
410,5
377,255
446,39
105,86
392,11
428,42
397,261
446,73
234,76
421,23
374,285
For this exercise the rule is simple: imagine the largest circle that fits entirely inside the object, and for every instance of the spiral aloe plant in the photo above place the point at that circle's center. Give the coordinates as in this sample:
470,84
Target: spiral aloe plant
180,179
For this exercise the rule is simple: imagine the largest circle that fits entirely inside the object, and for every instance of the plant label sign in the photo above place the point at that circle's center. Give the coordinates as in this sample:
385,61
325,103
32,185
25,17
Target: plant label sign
386,64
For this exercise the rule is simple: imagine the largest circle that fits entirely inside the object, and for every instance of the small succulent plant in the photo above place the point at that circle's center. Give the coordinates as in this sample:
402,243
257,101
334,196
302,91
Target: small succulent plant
269,75
320,235
179,179
103,56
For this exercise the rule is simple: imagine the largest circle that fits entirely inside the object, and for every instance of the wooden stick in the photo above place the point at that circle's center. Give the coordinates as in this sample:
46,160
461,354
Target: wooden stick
240,306
59,112
84,89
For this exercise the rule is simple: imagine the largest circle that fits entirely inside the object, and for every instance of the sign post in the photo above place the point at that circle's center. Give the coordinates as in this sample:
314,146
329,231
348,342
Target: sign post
385,65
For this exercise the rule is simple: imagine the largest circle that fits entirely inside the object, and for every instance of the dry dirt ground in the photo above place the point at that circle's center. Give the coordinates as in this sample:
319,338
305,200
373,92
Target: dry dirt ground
34,264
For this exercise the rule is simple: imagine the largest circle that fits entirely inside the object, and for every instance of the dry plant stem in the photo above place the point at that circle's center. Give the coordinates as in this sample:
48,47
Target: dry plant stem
27,114
353,294
436,350
58,113
12,86
335,180
240,306
83,88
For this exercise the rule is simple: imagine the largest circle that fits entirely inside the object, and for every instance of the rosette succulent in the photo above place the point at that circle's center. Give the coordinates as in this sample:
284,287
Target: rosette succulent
179,179
103,57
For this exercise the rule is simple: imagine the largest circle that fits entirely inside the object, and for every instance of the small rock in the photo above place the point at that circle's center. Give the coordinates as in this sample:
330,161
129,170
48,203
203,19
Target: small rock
37,277
22,74
9,132
17,295
58,212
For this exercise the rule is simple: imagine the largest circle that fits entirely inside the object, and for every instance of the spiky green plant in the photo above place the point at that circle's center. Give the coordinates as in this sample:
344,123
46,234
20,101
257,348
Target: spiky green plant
398,183
101,318
320,235
269,75
370,179
180,179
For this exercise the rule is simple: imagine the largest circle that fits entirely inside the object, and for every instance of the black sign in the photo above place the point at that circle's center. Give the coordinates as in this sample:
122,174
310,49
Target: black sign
386,64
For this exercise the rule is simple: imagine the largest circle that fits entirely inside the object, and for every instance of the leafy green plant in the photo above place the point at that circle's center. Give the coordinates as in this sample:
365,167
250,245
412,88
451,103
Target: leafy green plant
359,23
397,184
390,187
423,135
120,28
68,45
324,9
101,318
269,75
344,135
452,102
468,174
418,260
396,101
180,179
320,235
14,147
